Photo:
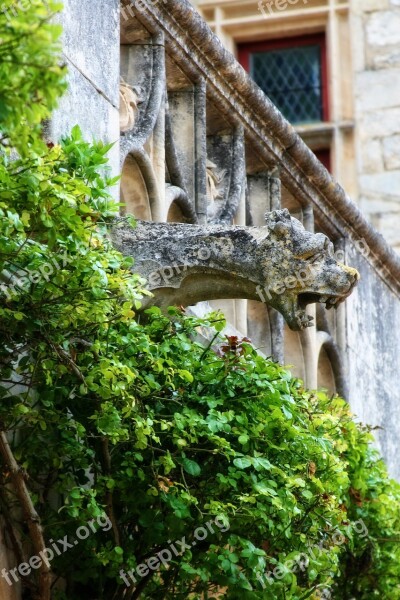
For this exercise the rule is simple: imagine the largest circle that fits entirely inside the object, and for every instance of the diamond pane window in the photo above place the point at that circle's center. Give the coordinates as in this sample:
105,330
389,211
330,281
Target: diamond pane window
292,73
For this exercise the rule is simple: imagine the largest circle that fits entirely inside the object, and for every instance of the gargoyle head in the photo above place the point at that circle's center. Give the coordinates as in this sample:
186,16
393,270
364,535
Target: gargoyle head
301,269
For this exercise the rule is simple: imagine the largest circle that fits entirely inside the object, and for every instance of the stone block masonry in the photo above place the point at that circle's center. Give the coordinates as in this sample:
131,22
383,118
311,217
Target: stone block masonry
377,111
90,42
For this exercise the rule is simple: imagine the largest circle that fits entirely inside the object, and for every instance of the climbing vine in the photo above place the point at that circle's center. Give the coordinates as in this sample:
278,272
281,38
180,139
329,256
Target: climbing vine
140,458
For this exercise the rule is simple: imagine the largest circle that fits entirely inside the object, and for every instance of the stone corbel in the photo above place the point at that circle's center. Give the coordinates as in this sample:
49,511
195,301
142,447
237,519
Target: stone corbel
280,264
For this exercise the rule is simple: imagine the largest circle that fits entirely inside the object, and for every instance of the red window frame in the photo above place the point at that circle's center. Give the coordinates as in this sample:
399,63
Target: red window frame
248,48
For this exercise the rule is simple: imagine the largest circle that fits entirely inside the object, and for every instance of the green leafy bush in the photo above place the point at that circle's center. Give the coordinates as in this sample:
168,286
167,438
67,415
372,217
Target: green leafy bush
219,474
164,433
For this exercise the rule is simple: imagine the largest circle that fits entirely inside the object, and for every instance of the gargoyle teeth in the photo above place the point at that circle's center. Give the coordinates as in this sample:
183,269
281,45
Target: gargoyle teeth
305,320
329,301
309,321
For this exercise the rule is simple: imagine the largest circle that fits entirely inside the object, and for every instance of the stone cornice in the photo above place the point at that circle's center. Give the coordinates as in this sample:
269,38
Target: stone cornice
201,55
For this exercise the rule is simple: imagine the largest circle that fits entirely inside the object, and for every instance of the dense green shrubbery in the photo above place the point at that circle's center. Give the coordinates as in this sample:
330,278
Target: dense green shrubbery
170,437
165,433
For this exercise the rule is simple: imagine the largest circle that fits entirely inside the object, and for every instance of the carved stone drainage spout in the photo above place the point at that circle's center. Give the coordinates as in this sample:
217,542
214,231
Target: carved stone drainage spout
280,264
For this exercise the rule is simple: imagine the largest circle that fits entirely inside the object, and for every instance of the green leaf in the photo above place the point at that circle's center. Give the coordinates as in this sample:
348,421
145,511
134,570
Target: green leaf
191,467
186,375
242,463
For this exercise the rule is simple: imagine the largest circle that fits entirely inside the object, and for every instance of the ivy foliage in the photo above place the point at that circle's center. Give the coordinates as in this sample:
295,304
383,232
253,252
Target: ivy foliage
203,454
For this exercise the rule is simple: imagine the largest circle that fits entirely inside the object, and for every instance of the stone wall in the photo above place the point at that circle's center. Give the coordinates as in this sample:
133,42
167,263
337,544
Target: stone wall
91,48
90,43
372,355
363,57
375,31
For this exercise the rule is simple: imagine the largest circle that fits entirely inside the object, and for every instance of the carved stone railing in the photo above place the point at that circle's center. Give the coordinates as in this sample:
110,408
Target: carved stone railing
209,147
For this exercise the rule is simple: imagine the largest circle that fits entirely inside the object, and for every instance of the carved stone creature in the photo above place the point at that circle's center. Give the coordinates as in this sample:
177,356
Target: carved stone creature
281,264
215,189
129,98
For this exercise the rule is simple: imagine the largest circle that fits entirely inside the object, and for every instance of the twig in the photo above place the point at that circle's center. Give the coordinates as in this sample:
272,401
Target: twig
65,357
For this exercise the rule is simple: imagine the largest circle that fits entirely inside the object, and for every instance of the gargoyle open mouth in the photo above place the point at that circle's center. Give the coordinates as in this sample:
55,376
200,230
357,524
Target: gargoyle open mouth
299,319
330,301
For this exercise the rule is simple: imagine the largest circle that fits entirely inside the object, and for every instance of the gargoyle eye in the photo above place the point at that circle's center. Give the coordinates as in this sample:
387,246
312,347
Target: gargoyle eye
316,257
321,248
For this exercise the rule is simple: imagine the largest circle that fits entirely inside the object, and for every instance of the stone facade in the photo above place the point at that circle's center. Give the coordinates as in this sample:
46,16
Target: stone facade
213,149
363,134
372,358
90,43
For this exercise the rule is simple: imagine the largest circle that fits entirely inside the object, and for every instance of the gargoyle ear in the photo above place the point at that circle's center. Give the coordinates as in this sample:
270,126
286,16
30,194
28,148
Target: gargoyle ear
279,222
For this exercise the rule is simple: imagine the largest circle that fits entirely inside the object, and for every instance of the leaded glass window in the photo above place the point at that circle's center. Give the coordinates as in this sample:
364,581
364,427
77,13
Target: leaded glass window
292,72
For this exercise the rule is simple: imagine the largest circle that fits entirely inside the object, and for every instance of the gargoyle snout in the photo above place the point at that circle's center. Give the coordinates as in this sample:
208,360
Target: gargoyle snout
353,277
353,274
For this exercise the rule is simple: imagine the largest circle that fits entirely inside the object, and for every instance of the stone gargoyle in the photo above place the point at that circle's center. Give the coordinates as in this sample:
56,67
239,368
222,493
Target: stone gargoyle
281,264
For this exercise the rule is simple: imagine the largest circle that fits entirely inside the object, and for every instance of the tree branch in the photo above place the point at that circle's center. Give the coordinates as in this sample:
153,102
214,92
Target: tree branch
30,515
109,493
9,526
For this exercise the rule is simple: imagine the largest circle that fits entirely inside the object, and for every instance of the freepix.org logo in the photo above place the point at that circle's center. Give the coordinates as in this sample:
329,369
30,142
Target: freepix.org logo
175,549
273,6
56,548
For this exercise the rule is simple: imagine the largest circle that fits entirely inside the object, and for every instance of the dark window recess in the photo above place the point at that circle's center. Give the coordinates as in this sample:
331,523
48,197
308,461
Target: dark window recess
324,156
292,73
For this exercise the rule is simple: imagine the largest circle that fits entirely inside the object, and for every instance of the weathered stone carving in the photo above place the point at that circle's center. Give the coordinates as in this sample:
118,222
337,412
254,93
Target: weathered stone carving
281,264
215,189
129,98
